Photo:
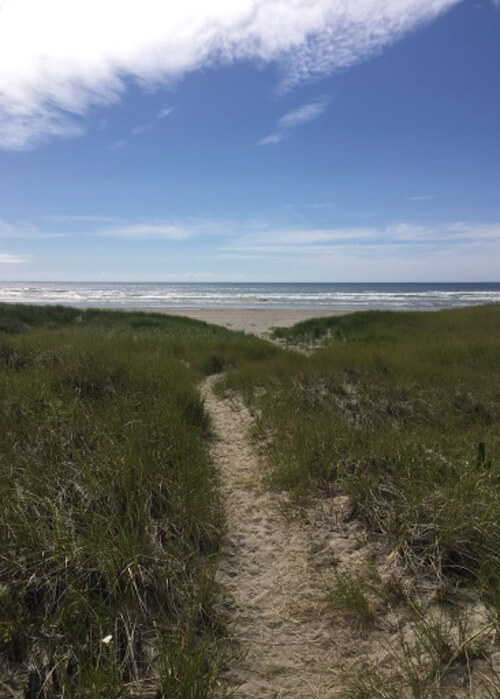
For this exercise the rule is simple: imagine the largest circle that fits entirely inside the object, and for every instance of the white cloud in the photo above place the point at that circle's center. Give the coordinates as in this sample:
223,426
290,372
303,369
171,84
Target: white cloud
165,112
302,115
118,145
11,230
25,230
78,218
142,128
443,234
289,122
58,58
253,235
400,238
321,205
24,131
8,258
272,139
304,237
148,231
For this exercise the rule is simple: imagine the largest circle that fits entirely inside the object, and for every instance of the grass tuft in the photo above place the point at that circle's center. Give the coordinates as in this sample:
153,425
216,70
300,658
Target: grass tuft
349,596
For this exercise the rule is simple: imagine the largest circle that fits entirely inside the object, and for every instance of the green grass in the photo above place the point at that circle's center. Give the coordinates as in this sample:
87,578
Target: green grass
401,412
347,597
436,654
111,516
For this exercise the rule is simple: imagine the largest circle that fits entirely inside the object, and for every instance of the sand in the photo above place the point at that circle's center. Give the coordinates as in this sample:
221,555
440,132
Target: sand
272,586
257,321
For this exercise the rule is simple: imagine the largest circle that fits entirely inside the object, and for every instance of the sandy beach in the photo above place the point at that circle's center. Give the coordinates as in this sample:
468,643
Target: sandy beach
257,321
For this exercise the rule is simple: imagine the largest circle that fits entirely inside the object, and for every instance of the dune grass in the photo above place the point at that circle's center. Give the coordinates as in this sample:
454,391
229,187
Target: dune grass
400,411
111,517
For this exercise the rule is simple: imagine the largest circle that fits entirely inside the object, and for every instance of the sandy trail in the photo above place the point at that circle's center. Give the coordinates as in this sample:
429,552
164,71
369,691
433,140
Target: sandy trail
285,646
274,572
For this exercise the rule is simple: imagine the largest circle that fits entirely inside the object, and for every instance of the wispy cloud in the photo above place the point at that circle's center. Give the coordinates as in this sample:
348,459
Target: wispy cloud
24,229
254,236
240,236
7,258
272,139
289,122
165,112
322,205
118,145
398,238
79,218
93,226
141,128
302,115
147,231
53,72
305,237
28,130
444,234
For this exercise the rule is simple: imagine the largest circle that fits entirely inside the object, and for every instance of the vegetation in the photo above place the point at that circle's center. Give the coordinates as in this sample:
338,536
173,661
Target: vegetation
400,411
111,517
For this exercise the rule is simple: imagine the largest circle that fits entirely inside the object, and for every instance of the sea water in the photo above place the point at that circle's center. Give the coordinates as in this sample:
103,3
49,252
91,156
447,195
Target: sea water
356,296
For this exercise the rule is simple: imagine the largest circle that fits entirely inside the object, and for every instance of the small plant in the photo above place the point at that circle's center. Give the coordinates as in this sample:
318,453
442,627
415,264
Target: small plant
349,596
434,653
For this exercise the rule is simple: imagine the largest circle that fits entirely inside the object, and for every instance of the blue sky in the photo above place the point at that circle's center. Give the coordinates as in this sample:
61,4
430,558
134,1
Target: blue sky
251,140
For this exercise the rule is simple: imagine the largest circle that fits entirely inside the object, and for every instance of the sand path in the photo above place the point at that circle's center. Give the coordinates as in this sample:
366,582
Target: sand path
273,594
274,572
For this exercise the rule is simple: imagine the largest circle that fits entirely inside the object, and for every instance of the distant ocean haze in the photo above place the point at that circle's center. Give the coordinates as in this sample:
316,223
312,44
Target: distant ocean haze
354,296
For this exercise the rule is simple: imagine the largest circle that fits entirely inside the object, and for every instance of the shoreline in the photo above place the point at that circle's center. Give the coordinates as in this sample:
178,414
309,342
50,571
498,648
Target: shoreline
257,321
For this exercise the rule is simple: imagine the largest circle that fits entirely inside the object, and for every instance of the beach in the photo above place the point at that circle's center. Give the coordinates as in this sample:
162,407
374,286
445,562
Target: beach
257,321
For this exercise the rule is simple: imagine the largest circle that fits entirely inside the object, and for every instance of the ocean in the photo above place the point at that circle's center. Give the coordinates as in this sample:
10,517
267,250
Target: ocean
357,296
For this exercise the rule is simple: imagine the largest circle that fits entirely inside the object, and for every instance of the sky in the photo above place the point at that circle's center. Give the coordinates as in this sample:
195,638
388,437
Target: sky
250,140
